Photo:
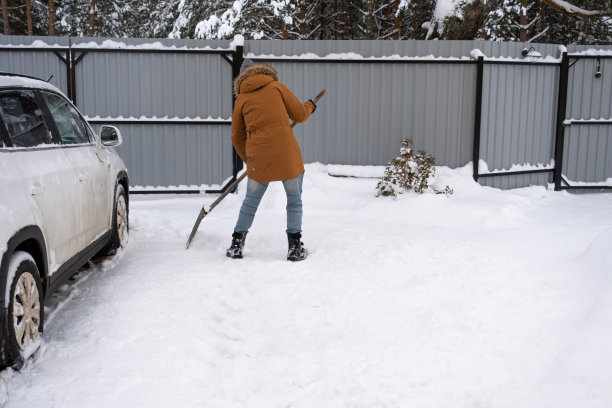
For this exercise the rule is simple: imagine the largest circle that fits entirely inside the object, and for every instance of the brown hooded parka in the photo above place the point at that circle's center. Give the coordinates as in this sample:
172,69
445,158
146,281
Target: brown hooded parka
262,109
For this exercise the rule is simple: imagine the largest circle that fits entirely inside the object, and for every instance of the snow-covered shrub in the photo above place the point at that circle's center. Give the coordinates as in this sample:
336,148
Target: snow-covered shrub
412,170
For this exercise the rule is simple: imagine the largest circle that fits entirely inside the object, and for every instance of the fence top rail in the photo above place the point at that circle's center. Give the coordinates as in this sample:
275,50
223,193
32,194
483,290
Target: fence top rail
587,56
109,45
152,51
591,53
143,120
134,50
296,59
404,60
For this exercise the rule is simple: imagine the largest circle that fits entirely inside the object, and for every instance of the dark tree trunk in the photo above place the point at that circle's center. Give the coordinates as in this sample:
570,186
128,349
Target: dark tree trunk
415,9
29,16
523,22
396,20
51,17
5,17
370,32
542,17
302,24
92,18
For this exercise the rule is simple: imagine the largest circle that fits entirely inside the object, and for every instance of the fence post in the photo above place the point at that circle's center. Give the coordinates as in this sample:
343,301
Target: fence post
237,60
478,116
560,129
69,73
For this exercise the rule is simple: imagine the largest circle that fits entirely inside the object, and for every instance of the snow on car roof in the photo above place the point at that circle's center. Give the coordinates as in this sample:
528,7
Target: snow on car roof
7,80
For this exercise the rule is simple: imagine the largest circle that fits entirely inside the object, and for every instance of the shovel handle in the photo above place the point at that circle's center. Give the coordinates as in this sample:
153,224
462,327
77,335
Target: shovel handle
319,96
315,100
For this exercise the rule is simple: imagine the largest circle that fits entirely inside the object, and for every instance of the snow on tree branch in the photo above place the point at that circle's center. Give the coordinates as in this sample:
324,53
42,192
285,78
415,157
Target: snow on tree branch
220,27
572,10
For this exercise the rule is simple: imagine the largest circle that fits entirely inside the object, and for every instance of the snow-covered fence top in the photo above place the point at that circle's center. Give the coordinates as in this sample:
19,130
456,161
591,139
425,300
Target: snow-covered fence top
173,101
112,43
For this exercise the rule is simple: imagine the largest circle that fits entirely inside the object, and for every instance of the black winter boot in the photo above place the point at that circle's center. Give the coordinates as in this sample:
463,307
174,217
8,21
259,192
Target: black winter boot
235,251
296,252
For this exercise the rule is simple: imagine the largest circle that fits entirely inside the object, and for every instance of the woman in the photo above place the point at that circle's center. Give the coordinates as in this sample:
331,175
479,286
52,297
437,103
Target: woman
262,136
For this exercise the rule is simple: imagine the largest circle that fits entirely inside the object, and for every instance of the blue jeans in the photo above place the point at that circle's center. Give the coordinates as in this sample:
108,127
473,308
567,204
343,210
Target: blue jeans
254,194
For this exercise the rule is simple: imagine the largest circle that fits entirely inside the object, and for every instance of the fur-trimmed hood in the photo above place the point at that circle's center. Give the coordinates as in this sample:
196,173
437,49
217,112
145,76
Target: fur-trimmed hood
253,70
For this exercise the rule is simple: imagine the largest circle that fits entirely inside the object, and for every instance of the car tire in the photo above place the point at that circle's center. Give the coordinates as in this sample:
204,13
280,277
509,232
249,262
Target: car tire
25,310
120,218
120,230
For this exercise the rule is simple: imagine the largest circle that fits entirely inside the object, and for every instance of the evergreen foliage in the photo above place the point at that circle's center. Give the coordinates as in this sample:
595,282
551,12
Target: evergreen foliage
546,21
411,171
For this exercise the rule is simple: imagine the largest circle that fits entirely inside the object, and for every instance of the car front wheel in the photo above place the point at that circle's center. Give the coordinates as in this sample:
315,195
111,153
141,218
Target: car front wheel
120,225
120,222
25,311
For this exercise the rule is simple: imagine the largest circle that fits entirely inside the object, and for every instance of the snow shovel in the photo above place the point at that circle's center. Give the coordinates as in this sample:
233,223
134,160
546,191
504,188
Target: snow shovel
204,211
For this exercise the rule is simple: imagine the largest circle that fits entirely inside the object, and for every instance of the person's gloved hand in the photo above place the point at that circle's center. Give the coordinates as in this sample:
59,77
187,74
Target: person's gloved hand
313,104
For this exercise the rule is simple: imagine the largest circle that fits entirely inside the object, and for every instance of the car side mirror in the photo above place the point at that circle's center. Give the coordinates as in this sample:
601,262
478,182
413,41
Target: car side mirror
110,136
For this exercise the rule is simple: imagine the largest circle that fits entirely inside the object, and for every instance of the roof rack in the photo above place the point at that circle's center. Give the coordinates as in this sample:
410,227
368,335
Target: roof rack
20,75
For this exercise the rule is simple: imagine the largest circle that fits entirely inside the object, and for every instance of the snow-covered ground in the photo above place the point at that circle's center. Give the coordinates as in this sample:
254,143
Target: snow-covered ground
486,298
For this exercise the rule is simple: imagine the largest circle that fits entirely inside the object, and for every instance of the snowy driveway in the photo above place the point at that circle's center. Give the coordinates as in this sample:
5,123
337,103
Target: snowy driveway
485,299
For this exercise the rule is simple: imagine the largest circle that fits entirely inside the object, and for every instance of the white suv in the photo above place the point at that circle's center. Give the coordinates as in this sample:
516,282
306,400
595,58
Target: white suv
63,200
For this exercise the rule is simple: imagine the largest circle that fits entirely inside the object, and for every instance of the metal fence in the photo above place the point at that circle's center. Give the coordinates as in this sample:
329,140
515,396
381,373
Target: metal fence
173,100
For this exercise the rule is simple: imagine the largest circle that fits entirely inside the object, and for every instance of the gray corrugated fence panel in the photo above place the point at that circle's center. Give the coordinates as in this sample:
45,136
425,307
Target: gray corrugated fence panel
516,181
588,148
513,49
366,48
160,85
370,108
579,48
588,153
410,48
37,64
151,42
154,85
589,97
33,41
171,155
518,116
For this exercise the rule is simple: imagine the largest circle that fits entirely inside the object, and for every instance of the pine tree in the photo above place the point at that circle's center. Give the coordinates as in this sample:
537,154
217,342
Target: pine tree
509,20
159,20
382,19
129,18
544,23
267,19
189,13
585,29
503,22
470,24
72,17
404,22
321,21
20,22
424,21
306,21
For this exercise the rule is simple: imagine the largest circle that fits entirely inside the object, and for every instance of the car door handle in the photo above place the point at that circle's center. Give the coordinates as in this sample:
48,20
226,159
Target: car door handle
83,176
36,189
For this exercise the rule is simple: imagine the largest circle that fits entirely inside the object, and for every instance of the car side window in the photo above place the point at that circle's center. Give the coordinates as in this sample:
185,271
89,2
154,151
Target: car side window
23,119
71,127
